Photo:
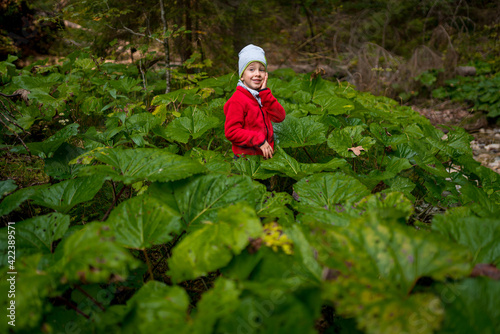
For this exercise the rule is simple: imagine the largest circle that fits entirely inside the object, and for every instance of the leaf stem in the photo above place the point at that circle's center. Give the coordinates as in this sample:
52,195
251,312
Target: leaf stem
113,204
68,303
308,154
79,288
150,270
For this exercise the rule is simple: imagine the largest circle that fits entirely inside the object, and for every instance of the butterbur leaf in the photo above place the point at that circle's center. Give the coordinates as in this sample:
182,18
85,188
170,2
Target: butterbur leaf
326,190
377,264
182,128
134,165
299,132
213,246
273,205
343,141
126,85
333,104
63,196
58,166
156,307
251,165
184,96
379,310
285,164
91,255
378,246
402,184
479,200
275,306
7,187
13,201
35,235
142,222
217,303
393,203
479,235
32,286
213,161
47,147
471,306
198,198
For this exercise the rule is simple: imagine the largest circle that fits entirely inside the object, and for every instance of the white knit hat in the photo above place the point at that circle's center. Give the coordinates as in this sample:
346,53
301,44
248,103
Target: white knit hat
249,54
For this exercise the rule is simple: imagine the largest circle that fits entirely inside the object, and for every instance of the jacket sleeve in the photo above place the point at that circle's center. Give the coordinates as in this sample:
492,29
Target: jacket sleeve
274,109
233,127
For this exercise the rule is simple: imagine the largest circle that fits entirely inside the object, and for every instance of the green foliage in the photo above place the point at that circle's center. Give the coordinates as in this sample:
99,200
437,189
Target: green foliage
480,91
191,240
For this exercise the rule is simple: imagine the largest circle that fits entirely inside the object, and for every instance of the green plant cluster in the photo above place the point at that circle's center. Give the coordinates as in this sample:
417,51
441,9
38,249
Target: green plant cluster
482,91
149,224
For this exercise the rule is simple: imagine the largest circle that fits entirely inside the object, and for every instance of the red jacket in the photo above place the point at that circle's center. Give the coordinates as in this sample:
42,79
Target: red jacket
248,125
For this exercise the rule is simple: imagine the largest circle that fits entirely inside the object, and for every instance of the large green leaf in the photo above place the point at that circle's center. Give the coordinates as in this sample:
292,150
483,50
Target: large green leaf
39,82
457,142
376,263
47,147
213,161
285,164
134,165
58,166
333,104
298,132
184,96
13,201
198,198
379,247
426,158
384,136
380,310
341,140
6,187
327,190
63,196
35,235
480,235
471,306
217,303
143,221
273,206
157,308
92,255
277,306
32,286
180,129
213,246
251,165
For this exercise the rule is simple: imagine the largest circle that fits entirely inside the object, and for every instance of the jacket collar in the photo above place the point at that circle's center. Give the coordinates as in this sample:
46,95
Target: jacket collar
250,93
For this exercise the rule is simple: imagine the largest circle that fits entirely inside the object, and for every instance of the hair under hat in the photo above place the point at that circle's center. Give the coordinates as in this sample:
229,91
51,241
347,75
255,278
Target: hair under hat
249,54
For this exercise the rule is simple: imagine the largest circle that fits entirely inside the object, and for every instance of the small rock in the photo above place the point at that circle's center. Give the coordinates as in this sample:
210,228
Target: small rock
492,147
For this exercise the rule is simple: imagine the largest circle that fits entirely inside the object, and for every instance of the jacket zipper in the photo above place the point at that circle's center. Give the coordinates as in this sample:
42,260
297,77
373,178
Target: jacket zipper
265,124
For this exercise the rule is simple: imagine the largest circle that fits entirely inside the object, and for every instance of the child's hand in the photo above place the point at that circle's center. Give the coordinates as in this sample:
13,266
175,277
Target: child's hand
264,82
267,150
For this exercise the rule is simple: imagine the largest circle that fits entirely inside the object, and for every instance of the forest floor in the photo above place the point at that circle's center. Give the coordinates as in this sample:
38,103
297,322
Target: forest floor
486,143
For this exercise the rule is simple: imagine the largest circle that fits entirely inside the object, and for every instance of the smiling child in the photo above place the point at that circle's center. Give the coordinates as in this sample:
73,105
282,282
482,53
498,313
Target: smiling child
251,109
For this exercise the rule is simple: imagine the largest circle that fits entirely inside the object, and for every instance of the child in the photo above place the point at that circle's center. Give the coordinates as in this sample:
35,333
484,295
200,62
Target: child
252,107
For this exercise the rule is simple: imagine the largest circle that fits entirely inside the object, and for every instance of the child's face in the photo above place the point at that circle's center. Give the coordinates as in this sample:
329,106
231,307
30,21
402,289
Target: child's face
254,74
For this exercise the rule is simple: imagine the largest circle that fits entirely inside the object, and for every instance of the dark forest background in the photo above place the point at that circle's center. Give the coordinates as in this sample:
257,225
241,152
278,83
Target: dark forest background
401,49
